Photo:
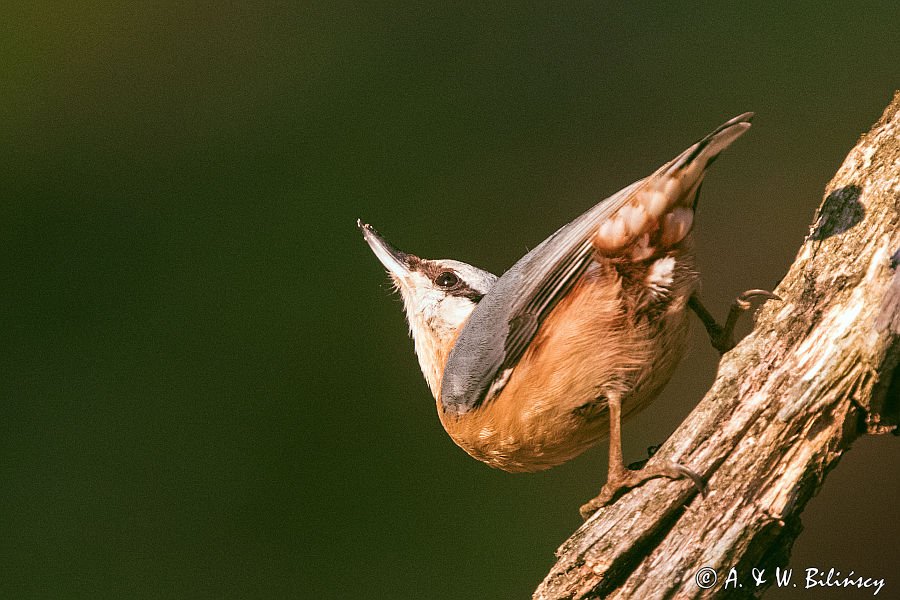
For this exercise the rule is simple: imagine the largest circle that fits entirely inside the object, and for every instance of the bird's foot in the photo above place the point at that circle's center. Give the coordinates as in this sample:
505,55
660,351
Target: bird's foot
621,480
722,337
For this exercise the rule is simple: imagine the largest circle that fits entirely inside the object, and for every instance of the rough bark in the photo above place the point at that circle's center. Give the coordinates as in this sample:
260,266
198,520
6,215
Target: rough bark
819,370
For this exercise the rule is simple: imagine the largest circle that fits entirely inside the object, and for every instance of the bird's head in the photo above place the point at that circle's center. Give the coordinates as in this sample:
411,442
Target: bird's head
438,296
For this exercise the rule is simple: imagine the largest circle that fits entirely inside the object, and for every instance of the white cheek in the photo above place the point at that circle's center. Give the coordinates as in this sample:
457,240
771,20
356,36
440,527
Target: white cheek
430,305
445,314
456,310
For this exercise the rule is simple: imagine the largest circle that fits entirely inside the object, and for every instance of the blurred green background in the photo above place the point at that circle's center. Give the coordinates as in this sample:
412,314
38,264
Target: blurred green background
208,390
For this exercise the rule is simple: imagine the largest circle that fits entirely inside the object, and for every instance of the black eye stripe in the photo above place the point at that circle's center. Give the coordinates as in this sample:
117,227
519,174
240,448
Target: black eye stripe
467,292
449,281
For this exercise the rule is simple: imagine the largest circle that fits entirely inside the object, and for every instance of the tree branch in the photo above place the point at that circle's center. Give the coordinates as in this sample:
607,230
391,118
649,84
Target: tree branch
819,370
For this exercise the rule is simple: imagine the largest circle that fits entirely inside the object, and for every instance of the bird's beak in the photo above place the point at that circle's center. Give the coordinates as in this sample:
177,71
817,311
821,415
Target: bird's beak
396,262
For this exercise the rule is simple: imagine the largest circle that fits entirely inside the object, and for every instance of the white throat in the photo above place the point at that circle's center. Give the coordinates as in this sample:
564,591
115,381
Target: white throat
435,320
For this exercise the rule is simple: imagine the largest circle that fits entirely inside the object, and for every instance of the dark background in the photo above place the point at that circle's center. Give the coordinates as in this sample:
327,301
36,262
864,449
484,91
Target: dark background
208,391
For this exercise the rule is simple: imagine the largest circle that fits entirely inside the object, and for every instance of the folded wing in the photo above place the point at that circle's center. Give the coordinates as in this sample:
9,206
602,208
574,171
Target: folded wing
655,211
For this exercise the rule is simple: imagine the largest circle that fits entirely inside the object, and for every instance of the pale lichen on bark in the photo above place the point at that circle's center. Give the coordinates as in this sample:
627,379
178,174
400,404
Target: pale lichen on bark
819,369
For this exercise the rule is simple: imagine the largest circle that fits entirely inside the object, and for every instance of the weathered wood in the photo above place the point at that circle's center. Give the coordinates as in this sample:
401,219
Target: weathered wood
819,369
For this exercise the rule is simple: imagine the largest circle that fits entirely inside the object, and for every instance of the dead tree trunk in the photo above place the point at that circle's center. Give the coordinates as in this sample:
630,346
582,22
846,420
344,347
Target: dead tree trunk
819,370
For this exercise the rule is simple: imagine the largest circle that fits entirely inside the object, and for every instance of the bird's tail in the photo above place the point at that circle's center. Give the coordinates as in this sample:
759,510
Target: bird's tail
657,213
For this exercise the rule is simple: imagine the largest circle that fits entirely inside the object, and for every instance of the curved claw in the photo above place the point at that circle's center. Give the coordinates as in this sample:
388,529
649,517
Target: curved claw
722,337
695,477
744,299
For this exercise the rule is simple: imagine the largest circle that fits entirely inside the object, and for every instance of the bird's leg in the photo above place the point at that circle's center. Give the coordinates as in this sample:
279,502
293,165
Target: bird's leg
619,479
722,337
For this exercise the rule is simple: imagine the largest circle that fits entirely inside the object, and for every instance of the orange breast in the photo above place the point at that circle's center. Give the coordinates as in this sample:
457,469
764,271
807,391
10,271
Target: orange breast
553,408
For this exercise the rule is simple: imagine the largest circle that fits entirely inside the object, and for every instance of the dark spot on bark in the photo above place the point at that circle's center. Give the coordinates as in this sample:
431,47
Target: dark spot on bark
822,424
840,212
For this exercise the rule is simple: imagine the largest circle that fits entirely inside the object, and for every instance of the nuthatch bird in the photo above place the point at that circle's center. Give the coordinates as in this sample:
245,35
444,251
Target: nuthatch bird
534,367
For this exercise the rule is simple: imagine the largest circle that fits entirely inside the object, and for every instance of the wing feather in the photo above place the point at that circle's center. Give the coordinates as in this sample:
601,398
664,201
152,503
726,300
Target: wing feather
508,317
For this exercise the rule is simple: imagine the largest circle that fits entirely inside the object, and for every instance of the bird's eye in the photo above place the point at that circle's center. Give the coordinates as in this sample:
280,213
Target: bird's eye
447,279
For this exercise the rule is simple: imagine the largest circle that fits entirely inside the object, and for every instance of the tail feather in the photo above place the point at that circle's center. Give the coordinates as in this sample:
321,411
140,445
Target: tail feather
659,211
710,146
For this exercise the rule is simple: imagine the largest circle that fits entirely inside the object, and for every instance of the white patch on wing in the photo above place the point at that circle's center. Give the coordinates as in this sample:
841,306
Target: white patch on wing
499,383
654,202
635,218
611,235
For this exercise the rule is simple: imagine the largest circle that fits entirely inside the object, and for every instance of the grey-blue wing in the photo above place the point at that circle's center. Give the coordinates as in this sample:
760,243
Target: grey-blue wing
507,318
505,321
